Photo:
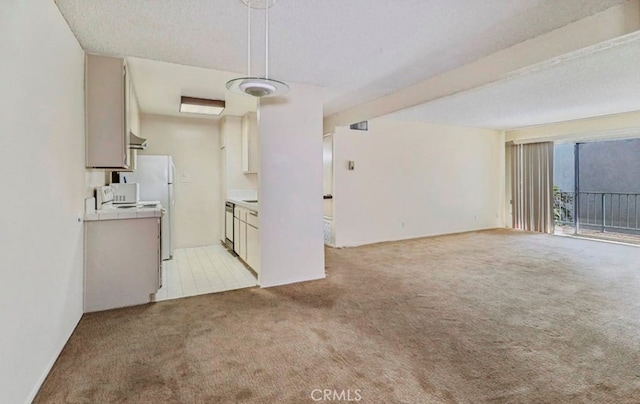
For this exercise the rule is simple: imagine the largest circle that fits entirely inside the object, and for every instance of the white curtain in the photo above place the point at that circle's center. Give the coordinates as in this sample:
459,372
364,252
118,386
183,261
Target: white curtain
532,186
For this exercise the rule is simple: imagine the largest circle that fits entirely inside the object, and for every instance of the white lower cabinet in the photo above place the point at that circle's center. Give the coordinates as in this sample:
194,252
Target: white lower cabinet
240,232
236,235
253,248
122,262
246,241
242,251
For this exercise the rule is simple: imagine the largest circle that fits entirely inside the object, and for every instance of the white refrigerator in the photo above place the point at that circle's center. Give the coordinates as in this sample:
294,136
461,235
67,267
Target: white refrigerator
156,174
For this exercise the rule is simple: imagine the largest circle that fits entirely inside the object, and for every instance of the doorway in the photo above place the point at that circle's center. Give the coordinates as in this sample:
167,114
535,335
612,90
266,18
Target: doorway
327,189
597,189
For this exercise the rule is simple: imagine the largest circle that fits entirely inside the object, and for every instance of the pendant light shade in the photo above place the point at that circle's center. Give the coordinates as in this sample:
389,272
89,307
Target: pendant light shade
257,86
252,85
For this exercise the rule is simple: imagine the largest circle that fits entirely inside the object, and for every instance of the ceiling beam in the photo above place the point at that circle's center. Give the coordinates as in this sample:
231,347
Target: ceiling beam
587,35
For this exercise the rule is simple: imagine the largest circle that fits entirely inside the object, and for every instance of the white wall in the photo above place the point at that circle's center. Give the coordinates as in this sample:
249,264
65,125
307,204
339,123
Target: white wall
194,145
43,186
290,188
231,128
416,179
95,178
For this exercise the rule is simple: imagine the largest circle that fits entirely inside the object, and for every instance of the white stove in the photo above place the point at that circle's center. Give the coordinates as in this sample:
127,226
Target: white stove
107,210
138,205
105,200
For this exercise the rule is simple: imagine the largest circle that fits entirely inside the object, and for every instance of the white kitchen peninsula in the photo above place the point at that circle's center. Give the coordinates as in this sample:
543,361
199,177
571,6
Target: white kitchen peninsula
122,257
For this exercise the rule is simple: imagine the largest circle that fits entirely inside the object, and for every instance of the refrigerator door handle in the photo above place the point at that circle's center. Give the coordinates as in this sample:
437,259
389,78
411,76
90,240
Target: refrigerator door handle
172,195
172,174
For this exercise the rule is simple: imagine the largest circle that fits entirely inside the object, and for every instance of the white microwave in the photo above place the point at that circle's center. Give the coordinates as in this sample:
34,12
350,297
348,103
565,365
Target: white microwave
126,192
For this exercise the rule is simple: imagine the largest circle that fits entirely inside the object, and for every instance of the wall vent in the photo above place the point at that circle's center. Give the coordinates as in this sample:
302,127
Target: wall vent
364,125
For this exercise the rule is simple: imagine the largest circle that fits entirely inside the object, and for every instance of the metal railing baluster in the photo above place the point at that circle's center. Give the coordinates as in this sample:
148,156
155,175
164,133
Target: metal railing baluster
603,212
627,211
609,216
611,209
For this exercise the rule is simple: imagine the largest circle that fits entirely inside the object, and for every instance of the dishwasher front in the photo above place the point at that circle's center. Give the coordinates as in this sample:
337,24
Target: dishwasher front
228,225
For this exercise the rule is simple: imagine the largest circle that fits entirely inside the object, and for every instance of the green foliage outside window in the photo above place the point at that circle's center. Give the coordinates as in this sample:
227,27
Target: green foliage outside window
562,205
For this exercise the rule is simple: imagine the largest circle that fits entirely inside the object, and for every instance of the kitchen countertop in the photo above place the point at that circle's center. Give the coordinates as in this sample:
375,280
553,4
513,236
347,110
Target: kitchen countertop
122,213
240,202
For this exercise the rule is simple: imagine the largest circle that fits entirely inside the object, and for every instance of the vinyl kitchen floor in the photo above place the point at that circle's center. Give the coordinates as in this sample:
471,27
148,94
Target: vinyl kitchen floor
202,270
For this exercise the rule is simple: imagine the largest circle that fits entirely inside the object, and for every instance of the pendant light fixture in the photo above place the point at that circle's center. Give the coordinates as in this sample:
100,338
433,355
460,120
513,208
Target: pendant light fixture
253,85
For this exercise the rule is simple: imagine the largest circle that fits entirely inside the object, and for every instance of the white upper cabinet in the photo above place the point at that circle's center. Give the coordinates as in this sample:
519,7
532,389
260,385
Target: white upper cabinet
250,152
133,117
134,111
111,112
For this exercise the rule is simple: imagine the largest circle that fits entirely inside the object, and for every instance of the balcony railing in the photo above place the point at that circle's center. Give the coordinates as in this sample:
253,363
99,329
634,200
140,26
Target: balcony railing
614,211
563,208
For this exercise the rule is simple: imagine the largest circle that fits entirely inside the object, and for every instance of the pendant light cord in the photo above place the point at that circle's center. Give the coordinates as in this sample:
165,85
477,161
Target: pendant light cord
266,43
257,85
249,38
266,40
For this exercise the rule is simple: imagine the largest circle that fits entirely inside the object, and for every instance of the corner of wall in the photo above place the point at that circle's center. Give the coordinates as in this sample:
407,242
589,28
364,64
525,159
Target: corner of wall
503,166
45,247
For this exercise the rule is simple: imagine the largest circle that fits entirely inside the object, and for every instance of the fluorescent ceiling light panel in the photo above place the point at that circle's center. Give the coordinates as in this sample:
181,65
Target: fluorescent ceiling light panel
201,106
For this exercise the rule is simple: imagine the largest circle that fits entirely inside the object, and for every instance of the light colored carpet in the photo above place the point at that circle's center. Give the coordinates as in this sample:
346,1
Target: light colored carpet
488,317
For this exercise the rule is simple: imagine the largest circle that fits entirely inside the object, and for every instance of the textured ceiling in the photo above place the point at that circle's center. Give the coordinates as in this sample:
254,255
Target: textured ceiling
357,49
594,84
